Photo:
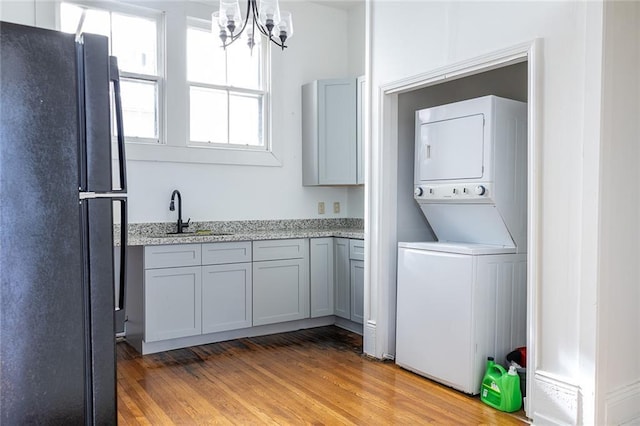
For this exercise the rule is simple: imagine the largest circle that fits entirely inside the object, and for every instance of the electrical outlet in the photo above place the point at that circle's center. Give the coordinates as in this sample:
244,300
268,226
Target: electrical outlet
336,207
321,207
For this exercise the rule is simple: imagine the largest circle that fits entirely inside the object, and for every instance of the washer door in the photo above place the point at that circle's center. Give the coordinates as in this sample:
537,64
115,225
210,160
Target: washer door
434,327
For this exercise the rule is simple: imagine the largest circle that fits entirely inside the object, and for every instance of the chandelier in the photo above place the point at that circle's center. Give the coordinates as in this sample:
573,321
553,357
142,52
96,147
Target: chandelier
266,18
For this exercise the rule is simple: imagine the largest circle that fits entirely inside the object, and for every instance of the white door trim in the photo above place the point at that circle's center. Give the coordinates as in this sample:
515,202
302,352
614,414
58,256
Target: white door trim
381,205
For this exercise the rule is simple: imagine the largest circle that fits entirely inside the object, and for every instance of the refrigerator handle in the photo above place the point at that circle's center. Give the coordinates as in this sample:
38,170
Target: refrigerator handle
114,76
124,226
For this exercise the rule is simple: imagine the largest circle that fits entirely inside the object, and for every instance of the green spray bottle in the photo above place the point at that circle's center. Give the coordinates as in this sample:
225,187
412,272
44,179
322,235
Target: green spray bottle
501,389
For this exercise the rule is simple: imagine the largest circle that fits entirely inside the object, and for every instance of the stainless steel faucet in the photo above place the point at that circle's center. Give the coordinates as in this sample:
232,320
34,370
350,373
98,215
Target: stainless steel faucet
181,226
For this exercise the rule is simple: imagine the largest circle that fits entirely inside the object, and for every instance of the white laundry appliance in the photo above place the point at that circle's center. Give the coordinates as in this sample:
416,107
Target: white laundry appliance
463,298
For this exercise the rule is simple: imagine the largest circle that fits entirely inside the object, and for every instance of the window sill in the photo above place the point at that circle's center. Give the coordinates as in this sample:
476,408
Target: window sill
200,155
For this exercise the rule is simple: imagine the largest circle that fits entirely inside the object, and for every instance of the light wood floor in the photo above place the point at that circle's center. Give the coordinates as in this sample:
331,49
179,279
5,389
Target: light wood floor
313,376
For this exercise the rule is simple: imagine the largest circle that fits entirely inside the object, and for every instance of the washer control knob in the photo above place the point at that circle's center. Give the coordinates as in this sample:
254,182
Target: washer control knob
480,190
418,192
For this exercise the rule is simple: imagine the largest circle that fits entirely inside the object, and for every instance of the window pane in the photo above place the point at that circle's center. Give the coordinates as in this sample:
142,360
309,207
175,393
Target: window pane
139,101
69,17
208,112
205,57
135,43
245,119
244,65
95,21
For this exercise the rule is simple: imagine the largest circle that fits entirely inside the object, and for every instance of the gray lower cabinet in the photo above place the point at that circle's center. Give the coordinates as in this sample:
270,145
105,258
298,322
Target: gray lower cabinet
172,303
191,289
357,291
356,278
342,294
349,279
172,291
227,286
226,297
322,276
280,281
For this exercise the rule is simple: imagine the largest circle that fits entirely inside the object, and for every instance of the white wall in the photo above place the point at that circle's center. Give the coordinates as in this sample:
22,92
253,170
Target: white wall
436,34
226,192
356,57
356,39
619,281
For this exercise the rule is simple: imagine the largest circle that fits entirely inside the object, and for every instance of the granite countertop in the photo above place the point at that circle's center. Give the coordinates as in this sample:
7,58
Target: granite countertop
145,234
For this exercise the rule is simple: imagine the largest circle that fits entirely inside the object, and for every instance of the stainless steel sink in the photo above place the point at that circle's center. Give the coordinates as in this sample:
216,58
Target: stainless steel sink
200,233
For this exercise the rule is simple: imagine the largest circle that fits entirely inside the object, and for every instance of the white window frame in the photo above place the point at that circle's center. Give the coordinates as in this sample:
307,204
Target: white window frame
159,79
174,100
265,53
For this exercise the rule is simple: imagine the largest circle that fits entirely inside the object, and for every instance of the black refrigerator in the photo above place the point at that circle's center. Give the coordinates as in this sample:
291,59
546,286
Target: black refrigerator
61,188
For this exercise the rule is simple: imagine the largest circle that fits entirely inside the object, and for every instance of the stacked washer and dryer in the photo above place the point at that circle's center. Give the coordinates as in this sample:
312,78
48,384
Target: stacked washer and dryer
463,298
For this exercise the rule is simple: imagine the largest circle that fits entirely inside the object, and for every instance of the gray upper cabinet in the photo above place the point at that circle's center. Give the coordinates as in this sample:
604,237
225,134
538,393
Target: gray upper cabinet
329,132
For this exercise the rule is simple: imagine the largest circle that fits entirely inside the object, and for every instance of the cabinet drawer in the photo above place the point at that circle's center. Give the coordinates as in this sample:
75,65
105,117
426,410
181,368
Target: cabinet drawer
356,249
170,256
280,249
220,253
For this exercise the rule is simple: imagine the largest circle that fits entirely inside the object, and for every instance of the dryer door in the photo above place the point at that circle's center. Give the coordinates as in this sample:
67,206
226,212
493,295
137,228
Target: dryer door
451,149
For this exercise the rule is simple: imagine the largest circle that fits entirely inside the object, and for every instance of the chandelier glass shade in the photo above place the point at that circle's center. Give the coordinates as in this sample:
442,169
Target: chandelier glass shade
261,18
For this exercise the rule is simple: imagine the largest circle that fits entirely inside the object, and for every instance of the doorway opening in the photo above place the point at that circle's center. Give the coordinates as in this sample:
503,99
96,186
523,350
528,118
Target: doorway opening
394,216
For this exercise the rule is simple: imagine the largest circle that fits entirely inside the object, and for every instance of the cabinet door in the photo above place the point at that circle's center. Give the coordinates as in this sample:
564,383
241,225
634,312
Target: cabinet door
342,287
357,291
226,297
321,263
442,296
172,303
360,103
280,291
337,132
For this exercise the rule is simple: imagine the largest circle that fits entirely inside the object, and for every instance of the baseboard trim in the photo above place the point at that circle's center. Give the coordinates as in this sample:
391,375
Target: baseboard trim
369,339
348,325
203,339
557,401
622,405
